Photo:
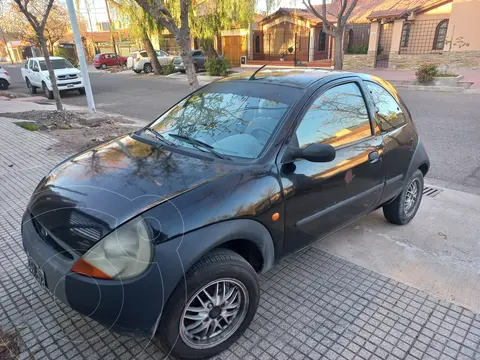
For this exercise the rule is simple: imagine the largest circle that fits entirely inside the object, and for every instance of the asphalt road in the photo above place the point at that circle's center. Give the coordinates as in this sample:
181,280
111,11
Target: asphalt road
449,123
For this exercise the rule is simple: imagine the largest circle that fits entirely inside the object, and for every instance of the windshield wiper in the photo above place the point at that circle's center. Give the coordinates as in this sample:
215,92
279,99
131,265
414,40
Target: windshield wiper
159,136
197,144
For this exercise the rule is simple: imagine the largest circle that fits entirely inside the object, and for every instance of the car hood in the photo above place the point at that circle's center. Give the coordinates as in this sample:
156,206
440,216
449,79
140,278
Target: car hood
85,197
66,71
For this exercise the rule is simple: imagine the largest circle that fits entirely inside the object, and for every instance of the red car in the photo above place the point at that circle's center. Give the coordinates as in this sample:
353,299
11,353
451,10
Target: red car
102,61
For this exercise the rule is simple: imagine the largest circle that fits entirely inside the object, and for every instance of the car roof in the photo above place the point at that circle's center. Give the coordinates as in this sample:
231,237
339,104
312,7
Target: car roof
301,78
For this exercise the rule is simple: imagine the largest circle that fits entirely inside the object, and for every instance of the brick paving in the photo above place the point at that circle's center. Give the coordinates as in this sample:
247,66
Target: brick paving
313,305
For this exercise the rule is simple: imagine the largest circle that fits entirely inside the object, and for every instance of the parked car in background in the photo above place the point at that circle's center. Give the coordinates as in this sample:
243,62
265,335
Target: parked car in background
198,58
35,74
140,61
104,60
168,239
4,79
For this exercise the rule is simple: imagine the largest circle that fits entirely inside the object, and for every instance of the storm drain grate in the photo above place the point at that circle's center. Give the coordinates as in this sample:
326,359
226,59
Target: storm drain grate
431,191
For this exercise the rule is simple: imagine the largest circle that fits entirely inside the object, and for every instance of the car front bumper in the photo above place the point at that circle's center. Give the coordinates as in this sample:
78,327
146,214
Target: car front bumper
179,67
130,306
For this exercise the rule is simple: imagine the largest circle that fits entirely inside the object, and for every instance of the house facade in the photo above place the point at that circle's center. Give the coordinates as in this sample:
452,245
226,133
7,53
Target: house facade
399,34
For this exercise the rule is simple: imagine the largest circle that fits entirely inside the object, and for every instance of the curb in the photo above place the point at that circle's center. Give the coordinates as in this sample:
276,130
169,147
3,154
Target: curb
429,88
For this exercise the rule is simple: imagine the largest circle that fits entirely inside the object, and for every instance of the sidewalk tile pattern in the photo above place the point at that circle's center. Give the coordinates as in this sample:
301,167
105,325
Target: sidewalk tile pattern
313,305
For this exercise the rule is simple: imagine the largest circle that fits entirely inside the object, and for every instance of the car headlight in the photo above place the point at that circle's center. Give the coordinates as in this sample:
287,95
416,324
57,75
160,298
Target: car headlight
80,75
122,254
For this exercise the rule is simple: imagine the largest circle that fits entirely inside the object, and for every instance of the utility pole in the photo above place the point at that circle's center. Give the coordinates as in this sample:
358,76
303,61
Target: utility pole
81,54
111,29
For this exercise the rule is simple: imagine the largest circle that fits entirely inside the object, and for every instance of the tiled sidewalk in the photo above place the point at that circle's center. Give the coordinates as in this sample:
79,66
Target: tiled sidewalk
313,305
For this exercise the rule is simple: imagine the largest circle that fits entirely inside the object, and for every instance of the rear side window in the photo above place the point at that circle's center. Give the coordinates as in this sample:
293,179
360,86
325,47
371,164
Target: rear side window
389,115
144,54
197,53
337,117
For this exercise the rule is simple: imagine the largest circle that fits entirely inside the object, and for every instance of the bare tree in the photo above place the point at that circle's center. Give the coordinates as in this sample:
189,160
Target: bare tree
164,17
33,10
336,30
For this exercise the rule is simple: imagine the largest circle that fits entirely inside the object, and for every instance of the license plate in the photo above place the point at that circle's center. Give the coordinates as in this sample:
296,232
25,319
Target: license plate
70,85
37,273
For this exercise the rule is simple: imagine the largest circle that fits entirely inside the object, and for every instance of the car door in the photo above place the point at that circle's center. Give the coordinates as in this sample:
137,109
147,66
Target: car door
322,197
398,138
35,73
161,58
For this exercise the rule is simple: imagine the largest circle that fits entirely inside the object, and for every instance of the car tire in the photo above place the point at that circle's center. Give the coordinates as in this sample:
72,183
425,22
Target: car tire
218,271
33,89
97,67
195,66
405,206
103,66
4,84
137,71
48,93
81,91
147,68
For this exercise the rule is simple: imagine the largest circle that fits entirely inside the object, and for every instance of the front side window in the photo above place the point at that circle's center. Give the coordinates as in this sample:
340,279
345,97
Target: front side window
440,35
389,115
56,64
34,65
232,121
337,117
144,54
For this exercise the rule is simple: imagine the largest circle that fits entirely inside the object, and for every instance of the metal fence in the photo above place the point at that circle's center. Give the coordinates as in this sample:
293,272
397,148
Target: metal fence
281,43
356,38
423,36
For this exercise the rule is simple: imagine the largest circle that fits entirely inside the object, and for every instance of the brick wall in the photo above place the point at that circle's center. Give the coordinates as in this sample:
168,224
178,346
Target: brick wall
455,59
358,61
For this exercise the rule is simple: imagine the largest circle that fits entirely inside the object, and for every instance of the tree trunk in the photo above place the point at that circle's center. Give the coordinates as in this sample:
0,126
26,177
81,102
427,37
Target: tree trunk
157,68
183,40
51,74
338,50
6,47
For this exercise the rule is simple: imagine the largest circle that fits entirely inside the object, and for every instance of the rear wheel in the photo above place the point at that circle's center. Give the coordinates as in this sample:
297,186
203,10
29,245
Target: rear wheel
33,89
4,84
195,66
147,68
222,299
137,71
405,206
48,93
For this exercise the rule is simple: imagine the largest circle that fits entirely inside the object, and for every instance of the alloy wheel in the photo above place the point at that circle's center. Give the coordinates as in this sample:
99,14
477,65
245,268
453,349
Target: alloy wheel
214,313
411,197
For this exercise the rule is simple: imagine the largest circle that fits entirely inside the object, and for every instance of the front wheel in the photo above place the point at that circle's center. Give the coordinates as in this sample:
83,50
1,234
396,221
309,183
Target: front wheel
221,301
48,93
81,91
103,66
405,206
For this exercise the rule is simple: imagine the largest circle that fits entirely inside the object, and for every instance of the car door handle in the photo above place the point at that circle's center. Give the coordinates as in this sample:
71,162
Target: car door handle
373,157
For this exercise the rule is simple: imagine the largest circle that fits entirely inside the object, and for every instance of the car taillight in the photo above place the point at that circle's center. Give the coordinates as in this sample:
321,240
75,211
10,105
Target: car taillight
137,59
6,73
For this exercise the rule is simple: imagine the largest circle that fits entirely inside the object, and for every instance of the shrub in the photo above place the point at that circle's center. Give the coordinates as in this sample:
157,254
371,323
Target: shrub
168,69
358,49
217,67
27,125
426,72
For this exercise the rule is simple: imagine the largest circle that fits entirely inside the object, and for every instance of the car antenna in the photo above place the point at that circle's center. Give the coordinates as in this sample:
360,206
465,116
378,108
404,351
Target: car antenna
256,71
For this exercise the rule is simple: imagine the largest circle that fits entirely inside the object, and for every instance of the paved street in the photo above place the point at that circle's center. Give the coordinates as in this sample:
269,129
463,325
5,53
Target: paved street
448,122
314,305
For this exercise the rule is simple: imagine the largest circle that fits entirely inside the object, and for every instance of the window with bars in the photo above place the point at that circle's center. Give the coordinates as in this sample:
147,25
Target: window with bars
440,35
322,41
405,34
257,43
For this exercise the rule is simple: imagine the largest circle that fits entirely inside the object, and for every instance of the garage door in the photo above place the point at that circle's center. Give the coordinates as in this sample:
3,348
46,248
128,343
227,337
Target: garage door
234,47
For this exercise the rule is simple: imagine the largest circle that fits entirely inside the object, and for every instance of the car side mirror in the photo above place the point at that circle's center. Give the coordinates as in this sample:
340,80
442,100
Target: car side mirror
313,153
36,70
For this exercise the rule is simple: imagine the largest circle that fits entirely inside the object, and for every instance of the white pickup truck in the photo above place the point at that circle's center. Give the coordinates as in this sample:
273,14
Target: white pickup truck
35,74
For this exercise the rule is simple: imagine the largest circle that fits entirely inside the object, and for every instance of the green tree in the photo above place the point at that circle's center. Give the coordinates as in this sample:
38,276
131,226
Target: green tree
142,25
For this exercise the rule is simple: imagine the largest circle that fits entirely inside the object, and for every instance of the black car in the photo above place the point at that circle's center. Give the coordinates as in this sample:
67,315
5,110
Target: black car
164,231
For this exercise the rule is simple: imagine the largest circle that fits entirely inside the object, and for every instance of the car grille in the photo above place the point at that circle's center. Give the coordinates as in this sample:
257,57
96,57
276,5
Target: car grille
70,83
45,236
67,77
85,227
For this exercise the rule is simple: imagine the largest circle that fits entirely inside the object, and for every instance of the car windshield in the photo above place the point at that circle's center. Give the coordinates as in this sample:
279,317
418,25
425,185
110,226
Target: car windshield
232,120
56,64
